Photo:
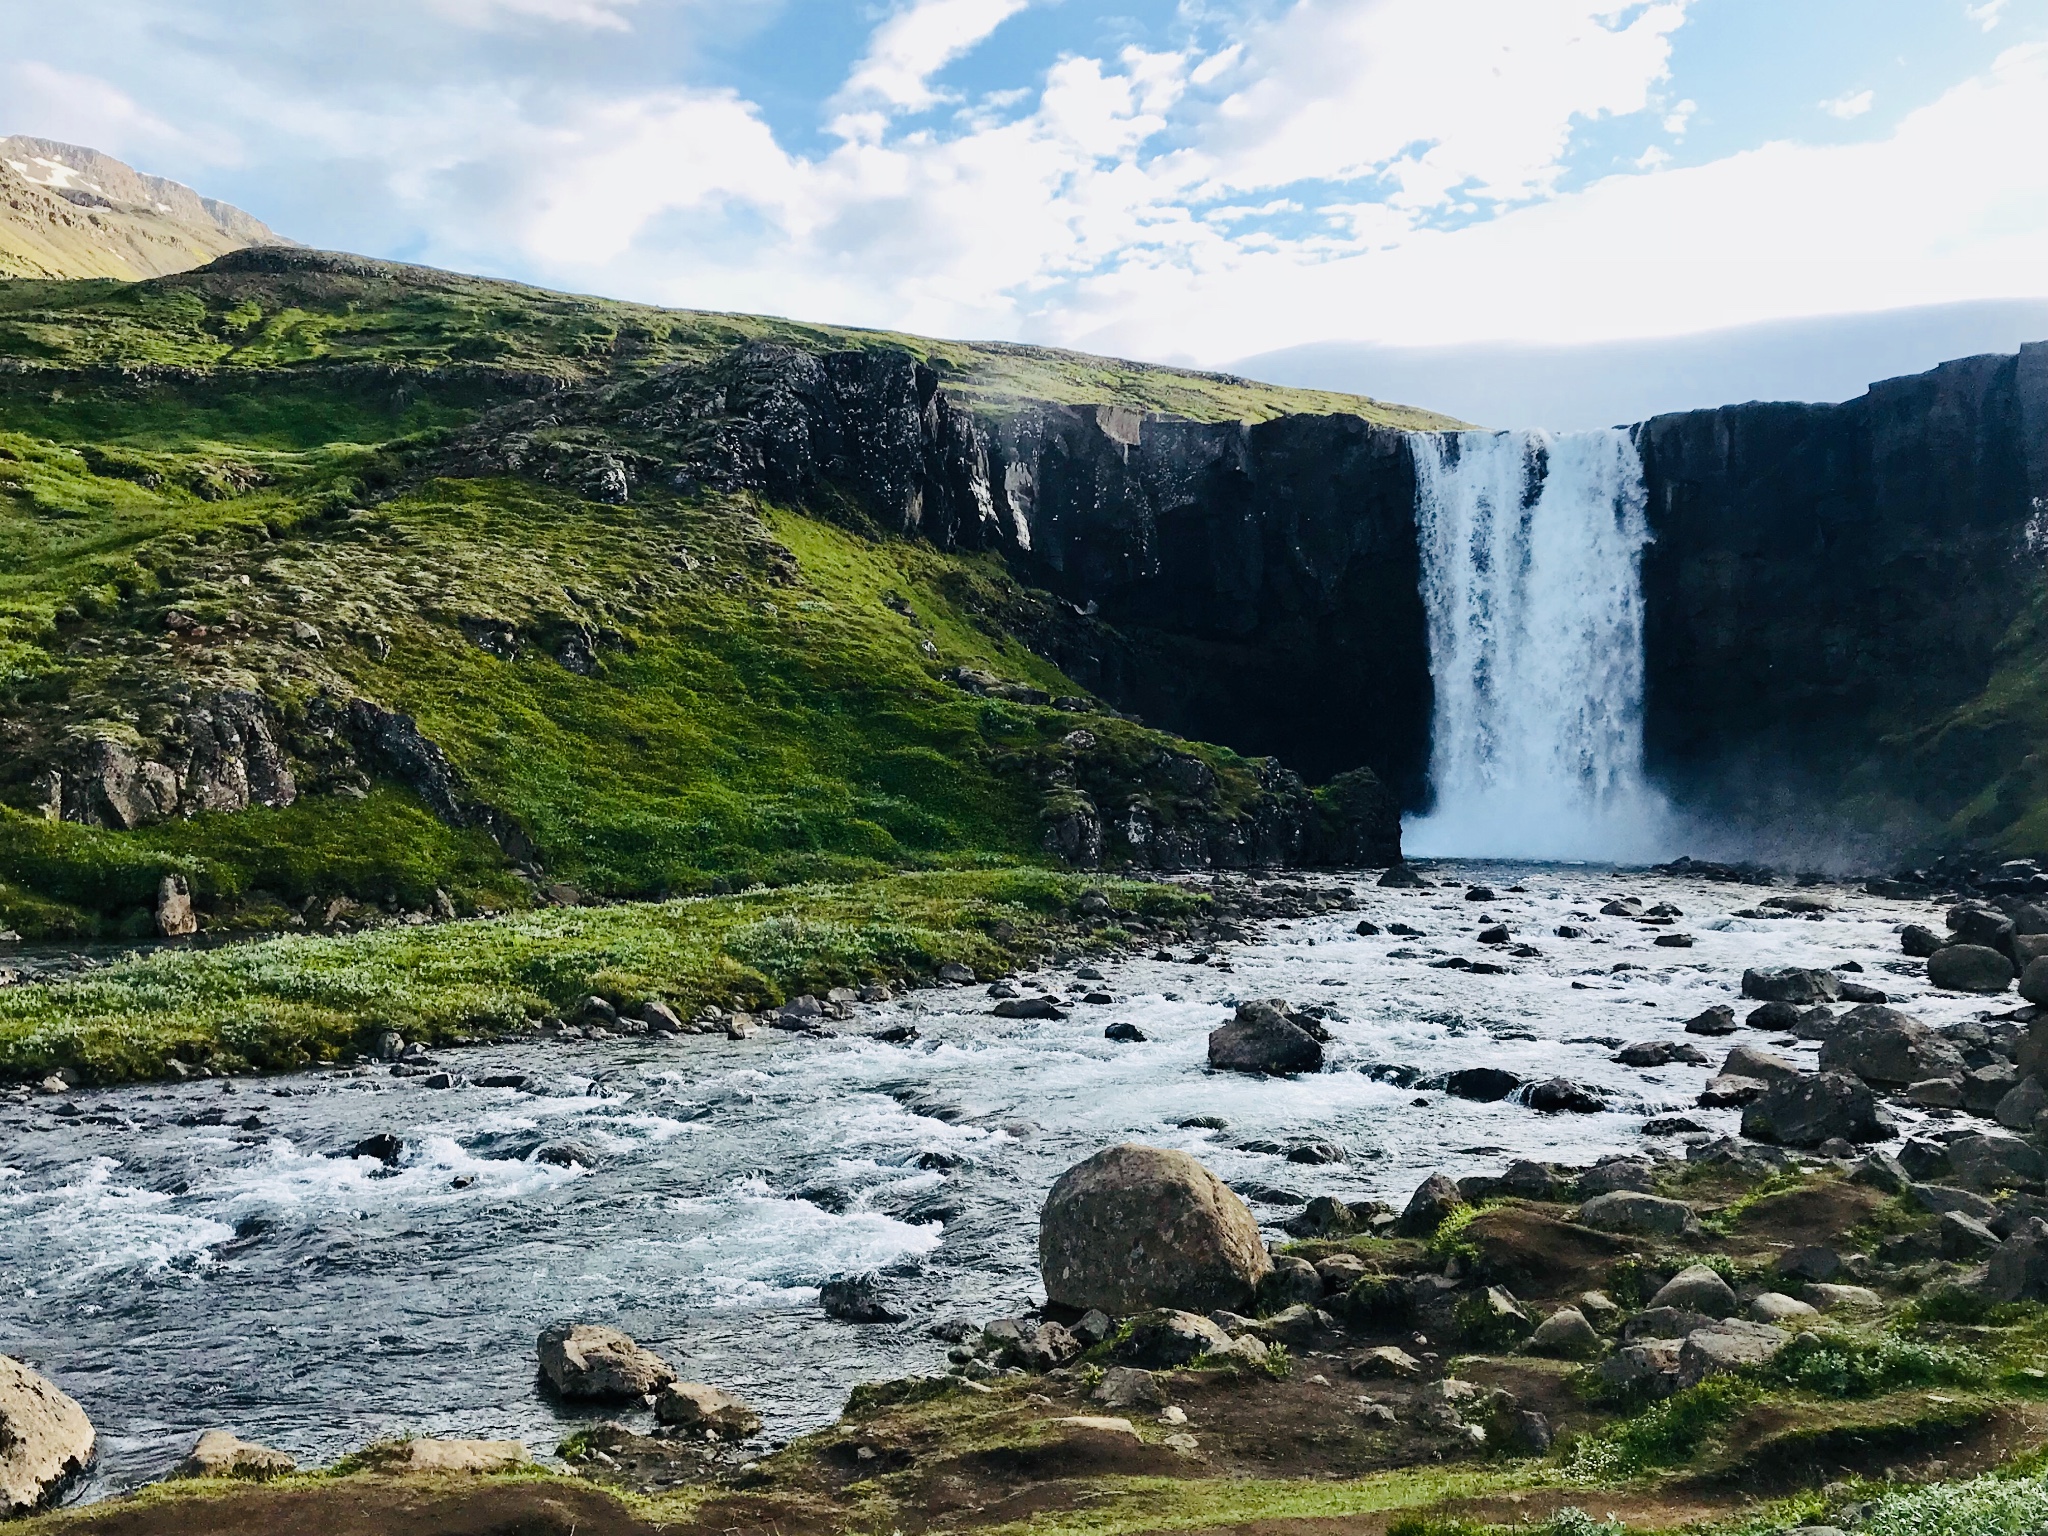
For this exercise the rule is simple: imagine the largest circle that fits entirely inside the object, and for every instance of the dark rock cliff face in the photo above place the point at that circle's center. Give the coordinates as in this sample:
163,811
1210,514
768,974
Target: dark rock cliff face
1828,580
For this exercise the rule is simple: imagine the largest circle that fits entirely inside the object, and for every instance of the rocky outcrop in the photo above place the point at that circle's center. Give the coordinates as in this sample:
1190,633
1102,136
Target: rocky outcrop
45,1439
1136,1227
217,1453
589,1362
223,754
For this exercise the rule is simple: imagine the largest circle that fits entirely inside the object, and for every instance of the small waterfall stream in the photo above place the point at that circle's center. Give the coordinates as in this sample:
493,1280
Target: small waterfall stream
1531,554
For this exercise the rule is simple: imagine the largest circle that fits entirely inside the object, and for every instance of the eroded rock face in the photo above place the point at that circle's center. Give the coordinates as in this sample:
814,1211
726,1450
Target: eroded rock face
45,1439
1135,1227
222,755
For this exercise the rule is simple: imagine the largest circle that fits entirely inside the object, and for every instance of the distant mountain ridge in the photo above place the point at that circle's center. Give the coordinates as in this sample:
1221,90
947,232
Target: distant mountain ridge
71,212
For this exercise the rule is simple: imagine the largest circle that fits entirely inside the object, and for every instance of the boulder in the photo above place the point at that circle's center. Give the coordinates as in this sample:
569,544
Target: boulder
1610,1174
1665,1323
1969,968
1560,1095
1648,1215
1920,941
1884,1046
1290,1282
1402,878
1565,1334
1984,926
1964,1237
1659,1053
1843,1298
1262,1038
1137,1227
175,918
2019,1108
1297,1325
1485,1085
45,1439
1982,1162
1125,1386
1790,984
1432,1201
1717,1020
1730,1346
1752,1061
1812,1261
1880,1170
1385,1363
1806,1111
1985,1087
220,1454
447,1456
1161,1340
1776,1018
1725,1092
1697,1288
2034,982
1339,1272
696,1409
588,1362
861,1298
1935,1093
1029,1008
1650,1367
2018,1270
1777,1309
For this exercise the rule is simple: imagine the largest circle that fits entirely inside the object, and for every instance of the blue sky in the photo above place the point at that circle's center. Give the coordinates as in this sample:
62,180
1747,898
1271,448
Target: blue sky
1191,181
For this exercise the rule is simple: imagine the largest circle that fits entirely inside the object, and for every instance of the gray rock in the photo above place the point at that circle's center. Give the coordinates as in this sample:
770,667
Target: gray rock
1261,1038
1752,1061
1697,1288
1484,1085
1162,1340
1385,1362
1941,1199
1981,925
1806,1111
1560,1095
1650,1215
1880,1170
1790,984
1659,1053
1964,1237
2018,1270
2022,1106
1725,1092
2034,982
1776,1309
588,1362
1843,1298
1125,1386
1994,1162
1717,1020
1565,1334
1812,1262
1630,1173
45,1440
1432,1201
1776,1018
1297,1325
1730,1346
1919,941
696,1409
1969,968
1288,1283
175,918
1985,1087
1651,1367
1935,1093
1137,1227
1884,1046
1665,1323
861,1298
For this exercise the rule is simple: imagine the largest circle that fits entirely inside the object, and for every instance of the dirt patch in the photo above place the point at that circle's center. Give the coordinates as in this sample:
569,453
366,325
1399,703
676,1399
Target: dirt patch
1536,1254
1823,1212
368,1506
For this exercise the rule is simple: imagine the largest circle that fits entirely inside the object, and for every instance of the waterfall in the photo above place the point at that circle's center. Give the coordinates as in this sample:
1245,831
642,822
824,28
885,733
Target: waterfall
1531,563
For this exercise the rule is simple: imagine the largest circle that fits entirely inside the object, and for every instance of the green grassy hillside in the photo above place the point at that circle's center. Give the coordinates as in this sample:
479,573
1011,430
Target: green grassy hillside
235,484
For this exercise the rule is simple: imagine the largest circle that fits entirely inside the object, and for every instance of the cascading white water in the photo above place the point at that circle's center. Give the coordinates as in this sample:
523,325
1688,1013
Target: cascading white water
1531,556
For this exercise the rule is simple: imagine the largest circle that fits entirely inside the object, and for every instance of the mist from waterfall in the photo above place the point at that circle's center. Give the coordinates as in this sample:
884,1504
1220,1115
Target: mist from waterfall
1531,561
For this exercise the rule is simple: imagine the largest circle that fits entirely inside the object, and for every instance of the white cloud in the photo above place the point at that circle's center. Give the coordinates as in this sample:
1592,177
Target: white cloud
1849,104
49,103
916,43
601,15
1679,118
1987,14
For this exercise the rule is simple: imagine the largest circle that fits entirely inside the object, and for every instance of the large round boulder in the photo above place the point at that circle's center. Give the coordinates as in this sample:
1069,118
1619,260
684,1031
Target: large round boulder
1134,1228
1806,1111
1882,1045
1791,984
1969,968
45,1439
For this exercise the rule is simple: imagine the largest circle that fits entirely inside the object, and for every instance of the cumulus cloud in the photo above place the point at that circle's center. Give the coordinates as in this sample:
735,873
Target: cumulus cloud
1850,104
915,44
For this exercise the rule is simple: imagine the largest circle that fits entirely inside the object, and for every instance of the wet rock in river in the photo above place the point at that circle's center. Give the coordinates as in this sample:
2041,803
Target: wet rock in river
1717,1020
1790,984
1731,1091
1137,1227
45,1439
1485,1085
1749,1061
1969,968
1920,941
1263,1037
1806,1111
1659,1053
589,1362
861,1298
1560,1095
1884,1046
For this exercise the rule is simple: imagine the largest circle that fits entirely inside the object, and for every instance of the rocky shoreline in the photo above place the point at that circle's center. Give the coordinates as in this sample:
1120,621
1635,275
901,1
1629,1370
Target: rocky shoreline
1520,1320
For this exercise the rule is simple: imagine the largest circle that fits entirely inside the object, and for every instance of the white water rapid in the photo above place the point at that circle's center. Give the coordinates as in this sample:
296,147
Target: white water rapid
1531,555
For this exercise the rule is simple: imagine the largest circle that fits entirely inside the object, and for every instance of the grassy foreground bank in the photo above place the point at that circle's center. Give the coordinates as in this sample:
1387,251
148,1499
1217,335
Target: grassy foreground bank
289,1002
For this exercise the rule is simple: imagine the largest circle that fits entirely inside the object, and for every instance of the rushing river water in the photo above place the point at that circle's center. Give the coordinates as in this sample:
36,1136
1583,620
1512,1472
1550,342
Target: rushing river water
175,1276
